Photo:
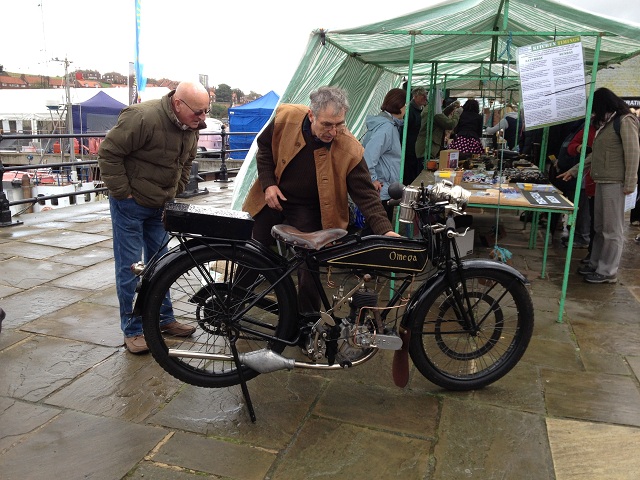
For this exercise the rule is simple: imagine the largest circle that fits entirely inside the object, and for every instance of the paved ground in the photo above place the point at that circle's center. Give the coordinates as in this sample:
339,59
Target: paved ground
75,404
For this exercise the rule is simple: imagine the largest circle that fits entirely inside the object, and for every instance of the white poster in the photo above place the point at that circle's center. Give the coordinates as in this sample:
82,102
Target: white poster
552,82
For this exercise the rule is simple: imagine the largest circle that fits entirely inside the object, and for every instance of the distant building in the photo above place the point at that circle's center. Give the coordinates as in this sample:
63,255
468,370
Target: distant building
8,81
115,78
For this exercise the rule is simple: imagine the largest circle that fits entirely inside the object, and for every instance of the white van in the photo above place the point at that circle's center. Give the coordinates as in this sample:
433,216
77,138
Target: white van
210,142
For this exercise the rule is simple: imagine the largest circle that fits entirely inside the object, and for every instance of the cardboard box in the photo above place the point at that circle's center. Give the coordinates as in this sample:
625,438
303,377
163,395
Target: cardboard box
449,159
465,244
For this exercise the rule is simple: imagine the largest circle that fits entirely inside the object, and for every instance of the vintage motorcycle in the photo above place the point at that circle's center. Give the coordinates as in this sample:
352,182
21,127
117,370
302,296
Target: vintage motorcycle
464,323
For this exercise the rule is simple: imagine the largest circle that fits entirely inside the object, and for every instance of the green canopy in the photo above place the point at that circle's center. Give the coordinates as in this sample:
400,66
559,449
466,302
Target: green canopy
466,45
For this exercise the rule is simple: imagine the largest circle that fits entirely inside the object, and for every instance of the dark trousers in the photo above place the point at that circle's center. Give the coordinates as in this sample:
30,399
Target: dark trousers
308,295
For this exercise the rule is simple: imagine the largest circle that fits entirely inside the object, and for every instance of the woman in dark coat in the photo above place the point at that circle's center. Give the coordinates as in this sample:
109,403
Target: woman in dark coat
469,129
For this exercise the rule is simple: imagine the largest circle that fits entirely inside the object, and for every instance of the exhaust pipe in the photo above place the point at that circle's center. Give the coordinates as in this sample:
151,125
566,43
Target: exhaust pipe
262,361
266,361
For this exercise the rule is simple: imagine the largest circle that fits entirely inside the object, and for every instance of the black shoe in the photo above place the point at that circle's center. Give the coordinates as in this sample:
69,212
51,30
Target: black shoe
586,270
587,259
597,278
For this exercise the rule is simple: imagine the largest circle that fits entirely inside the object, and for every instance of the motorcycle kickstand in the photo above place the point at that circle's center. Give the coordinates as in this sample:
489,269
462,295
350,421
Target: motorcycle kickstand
243,383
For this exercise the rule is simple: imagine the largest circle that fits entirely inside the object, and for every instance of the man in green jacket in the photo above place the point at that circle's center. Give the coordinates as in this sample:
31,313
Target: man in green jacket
447,120
145,161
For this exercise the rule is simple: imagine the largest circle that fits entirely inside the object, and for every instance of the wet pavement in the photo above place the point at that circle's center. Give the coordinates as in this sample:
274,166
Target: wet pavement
75,404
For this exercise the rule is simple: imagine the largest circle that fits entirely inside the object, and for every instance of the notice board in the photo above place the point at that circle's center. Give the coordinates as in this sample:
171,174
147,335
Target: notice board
552,82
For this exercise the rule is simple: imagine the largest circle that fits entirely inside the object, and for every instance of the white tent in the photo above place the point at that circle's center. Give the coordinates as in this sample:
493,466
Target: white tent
46,104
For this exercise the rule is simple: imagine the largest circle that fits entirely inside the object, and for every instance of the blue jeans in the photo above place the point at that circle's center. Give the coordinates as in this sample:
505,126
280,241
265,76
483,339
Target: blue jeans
138,234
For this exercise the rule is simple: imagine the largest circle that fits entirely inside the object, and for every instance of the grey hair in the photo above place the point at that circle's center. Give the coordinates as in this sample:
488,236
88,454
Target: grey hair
418,91
326,97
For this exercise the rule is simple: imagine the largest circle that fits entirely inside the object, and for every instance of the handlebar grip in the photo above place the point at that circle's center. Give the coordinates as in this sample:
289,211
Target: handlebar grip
395,191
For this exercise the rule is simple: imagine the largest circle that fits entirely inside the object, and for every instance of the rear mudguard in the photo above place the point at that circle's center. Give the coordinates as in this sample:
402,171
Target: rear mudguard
437,280
154,270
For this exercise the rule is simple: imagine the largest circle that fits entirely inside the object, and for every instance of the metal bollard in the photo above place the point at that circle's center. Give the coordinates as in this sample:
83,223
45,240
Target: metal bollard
191,190
5,211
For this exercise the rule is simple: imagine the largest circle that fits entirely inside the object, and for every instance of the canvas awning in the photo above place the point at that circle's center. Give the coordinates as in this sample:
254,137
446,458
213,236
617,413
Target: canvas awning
469,45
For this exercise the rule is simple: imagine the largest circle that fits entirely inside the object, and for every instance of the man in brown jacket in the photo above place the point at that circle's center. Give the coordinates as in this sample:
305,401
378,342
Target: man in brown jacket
307,163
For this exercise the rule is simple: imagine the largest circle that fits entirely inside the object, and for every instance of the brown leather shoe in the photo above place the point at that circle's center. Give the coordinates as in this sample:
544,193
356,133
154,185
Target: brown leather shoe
177,329
136,344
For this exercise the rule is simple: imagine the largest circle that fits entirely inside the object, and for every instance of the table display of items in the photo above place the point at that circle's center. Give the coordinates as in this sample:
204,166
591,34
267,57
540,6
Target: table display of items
509,175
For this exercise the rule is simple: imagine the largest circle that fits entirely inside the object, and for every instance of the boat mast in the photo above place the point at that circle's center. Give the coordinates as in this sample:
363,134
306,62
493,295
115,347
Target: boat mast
67,93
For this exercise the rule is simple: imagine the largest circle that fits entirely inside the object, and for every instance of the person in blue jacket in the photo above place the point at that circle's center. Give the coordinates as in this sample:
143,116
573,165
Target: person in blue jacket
382,144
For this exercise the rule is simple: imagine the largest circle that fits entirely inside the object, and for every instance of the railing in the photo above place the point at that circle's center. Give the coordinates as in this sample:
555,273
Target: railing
82,170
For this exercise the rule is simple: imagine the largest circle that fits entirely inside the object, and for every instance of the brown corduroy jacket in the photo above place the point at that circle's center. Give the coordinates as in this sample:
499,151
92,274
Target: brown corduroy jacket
332,165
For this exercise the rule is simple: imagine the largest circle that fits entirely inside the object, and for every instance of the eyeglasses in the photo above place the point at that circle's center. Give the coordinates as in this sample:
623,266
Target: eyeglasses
197,113
326,126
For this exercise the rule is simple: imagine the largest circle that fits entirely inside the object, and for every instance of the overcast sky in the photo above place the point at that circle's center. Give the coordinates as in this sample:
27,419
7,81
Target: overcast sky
250,44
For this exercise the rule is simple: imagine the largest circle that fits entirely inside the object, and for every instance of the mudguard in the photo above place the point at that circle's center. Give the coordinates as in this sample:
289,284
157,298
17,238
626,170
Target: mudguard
193,245
438,279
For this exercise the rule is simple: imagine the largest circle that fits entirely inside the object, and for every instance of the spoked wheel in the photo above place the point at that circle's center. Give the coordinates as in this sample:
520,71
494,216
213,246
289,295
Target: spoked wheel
228,294
460,355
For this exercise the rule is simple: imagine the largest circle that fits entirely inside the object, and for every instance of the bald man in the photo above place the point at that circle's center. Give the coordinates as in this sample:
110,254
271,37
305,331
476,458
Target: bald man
145,161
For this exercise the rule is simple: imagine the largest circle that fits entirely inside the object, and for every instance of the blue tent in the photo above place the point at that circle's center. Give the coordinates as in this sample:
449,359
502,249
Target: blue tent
98,114
249,117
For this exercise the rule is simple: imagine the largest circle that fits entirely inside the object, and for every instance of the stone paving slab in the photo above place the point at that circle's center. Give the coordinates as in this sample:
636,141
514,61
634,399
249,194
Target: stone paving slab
6,290
37,252
634,363
38,366
591,396
281,401
326,449
402,412
19,419
149,470
123,386
84,257
216,457
621,335
101,225
10,336
67,239
75,445
19,232
520,390
593,451
82,321
482,441
107,297
33,303
94,277
26,273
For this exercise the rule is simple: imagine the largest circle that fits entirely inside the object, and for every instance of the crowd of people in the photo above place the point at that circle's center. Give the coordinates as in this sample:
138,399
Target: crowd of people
310,165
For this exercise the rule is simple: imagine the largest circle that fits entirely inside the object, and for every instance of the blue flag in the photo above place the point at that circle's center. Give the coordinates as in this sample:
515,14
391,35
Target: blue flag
141,80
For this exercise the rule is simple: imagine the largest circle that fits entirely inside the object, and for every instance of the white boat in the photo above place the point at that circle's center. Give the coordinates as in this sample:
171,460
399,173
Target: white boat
44,182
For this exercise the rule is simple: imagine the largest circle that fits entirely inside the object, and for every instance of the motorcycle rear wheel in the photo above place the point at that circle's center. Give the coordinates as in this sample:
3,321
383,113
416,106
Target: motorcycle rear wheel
206,288
454,356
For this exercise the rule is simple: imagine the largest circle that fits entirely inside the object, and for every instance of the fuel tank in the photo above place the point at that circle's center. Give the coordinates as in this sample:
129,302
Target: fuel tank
376,252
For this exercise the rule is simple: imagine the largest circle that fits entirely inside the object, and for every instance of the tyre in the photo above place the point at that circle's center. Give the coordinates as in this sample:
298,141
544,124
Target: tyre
206,288
457,355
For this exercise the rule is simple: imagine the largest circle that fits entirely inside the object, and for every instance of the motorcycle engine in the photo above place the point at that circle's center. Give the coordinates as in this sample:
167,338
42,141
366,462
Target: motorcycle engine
352,336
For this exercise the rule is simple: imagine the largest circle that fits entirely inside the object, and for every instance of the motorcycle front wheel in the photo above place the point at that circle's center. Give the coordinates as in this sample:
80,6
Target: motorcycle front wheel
457,355
207,289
